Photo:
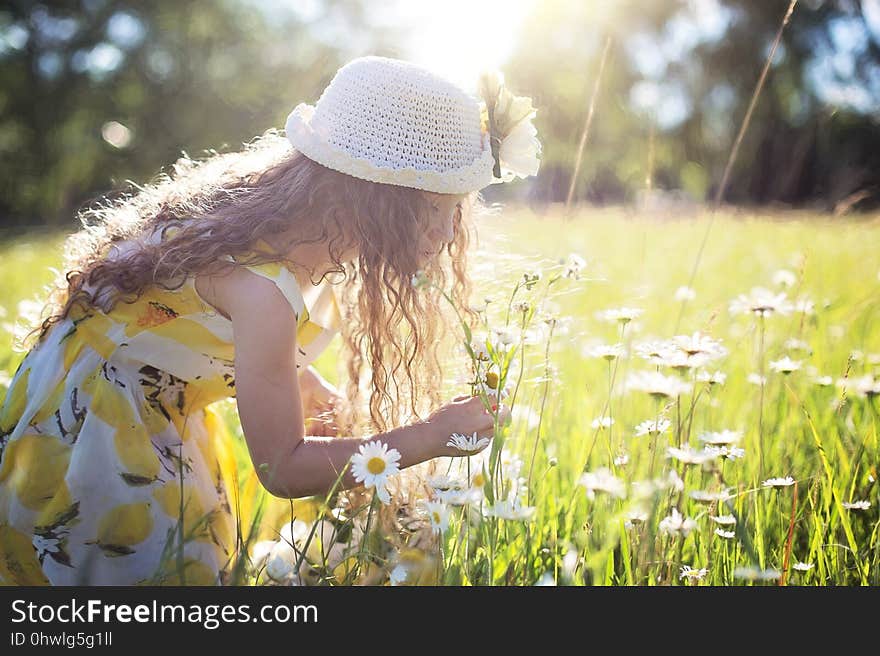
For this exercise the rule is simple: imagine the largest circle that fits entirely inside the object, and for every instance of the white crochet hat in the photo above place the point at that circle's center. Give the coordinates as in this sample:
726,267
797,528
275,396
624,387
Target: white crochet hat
390,121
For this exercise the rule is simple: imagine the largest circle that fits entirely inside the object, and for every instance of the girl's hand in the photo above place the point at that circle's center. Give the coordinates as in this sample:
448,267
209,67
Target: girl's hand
320,401
466,415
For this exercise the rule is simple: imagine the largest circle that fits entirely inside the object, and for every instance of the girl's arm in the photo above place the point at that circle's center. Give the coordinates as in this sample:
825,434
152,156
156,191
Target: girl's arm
289,463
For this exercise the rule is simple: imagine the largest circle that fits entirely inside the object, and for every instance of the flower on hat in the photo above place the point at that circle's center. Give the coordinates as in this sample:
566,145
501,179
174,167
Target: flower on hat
507,119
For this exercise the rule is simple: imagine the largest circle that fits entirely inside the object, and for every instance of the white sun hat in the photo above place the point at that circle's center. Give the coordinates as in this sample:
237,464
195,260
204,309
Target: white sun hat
391,121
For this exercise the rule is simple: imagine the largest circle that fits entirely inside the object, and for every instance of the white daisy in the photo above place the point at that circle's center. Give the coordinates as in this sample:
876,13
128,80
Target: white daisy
778,482
691,574
756,379
700,344
726,452
727,535
602,480
724,520
462,497
685,293
653,427
438,514
574,265
704,496
784,278
608,352
802,567
823,381
794,344
675,524
689,456
621,459
805,306
468,444
621,315
657,384
372,466
761,302
856,505
717,378
719,438
785,365
504,336
510,510
602,422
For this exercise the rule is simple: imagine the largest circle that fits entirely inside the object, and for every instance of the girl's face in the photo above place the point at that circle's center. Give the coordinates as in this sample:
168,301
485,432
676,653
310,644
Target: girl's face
443,208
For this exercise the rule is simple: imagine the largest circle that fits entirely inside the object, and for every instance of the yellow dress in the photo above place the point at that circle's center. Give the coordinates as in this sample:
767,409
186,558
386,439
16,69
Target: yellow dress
107,440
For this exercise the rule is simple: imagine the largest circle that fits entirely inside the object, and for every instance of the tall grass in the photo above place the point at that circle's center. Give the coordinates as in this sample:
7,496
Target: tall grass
825,437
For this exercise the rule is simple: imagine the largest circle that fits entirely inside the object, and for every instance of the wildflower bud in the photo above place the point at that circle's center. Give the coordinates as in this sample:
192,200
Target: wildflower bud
553,461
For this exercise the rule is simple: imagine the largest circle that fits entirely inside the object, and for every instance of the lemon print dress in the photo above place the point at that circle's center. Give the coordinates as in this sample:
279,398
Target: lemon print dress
111,459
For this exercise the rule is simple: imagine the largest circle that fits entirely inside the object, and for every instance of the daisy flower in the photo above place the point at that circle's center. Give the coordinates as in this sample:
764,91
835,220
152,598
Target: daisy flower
785,365
653,427
621,315
805,305
573,266
778,482
685,293
761,302
757,379
657,385
608,352
798,345
718,378
691,574
602,480
468,444
823,381
727,535
724,520
719,438
726,452
510,510
688,455
784,278
602,422
704,496
372,466
699,344
675,524
856,505
438,513
802,567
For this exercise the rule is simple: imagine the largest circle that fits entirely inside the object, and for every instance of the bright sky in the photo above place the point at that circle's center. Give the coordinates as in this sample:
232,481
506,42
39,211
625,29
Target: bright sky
459,38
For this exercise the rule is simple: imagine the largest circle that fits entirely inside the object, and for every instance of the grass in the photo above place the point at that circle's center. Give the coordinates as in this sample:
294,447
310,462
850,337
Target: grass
823,437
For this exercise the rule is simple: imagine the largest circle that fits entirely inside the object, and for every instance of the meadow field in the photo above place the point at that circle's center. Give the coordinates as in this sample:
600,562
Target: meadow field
668,429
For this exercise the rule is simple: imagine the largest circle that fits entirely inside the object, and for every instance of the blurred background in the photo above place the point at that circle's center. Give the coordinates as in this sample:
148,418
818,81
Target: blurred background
95,93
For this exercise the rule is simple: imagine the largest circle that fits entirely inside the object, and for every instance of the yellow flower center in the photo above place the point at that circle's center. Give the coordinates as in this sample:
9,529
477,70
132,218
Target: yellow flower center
478,480
436,516
376,465
492,379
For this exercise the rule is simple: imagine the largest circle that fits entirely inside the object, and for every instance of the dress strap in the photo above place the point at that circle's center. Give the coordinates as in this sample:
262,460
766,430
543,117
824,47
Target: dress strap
284,280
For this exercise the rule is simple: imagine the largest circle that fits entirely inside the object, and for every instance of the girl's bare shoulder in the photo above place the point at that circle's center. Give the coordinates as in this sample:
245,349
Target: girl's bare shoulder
232,287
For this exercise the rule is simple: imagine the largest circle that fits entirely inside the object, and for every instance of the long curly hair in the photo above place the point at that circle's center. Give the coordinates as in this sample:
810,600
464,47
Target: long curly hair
391,332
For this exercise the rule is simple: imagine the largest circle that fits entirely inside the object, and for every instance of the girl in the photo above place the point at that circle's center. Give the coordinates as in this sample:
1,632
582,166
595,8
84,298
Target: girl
213,283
